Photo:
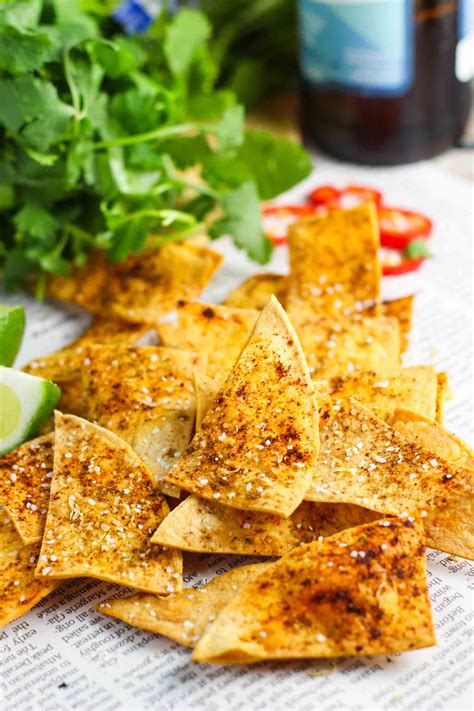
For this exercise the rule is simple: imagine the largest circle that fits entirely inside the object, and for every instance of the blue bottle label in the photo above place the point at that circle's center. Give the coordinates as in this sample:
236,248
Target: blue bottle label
366,46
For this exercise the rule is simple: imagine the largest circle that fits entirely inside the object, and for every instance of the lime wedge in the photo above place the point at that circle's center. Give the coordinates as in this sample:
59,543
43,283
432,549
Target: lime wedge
25,403
12,325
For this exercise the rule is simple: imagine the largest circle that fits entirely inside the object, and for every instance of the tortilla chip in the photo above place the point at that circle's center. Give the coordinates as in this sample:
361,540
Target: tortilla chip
144,287
366,462
25,481
360,592
432,436
64,366
341,347
255,291
401,309
205,390
217,332
103,508
413,388
145,395
444,394
184,616
258,444
207,527
334,263
19,589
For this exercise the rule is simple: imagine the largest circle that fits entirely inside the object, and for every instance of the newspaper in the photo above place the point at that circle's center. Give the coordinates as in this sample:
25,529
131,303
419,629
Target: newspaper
63,654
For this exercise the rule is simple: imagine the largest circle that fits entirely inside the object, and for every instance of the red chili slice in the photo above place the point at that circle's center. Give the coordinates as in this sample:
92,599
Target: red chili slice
277,219
363,194
403,267
323,195
399,227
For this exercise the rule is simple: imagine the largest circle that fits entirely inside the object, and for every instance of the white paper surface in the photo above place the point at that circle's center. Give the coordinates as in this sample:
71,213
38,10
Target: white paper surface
64,655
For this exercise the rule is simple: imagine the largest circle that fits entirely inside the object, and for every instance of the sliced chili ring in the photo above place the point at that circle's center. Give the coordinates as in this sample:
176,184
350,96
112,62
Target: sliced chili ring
399,227
404,267
277,219
324,195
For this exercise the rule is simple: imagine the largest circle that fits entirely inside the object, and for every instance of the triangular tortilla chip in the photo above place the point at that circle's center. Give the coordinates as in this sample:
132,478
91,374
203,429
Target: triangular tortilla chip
334,263
255,291
207,527
64,367
413,388
205,390
103,508
366,462
25,481
184,616
443,394
432,436
144,287
402,309
347,345
360,592
258,444
217,332
19,589
145,395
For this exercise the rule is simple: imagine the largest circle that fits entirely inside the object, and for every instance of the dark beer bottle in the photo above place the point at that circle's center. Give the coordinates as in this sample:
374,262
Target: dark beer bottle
385,81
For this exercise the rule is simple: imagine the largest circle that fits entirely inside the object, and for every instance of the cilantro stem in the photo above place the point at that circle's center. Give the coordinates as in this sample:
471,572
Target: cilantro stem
167,217
157,240
155,135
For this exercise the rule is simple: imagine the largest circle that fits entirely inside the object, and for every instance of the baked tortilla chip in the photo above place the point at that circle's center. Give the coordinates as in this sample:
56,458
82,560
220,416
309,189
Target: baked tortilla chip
444,394
104,506
64,366
334,263
360,592
217,332
255,291
145,395
366,462
432,436
184,616
413,388
205,391
25,481
401,309
349,345
144,287
19,589
207,527
258,444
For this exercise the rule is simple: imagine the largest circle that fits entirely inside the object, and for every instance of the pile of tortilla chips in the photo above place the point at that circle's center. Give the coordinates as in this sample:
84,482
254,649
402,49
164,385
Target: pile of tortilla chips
281,423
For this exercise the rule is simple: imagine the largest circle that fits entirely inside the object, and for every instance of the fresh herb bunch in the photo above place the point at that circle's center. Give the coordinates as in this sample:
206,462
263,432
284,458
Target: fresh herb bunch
107,139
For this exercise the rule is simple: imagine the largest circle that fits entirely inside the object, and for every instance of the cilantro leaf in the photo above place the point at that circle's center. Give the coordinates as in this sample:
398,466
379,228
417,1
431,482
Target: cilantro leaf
230,129
243,222
34,220
22,50
275,163
185,34
417,248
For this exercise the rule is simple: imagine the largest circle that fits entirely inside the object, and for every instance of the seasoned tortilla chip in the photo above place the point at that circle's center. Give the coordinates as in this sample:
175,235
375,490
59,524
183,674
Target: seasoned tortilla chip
25,481
413,388
103,508
184,616
444,394
19,589
402,309
218,332
205,391
334,263
432,436
344,346
207,527
255,291
145,395
144,287
258,444
366,462
64,366
360,592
